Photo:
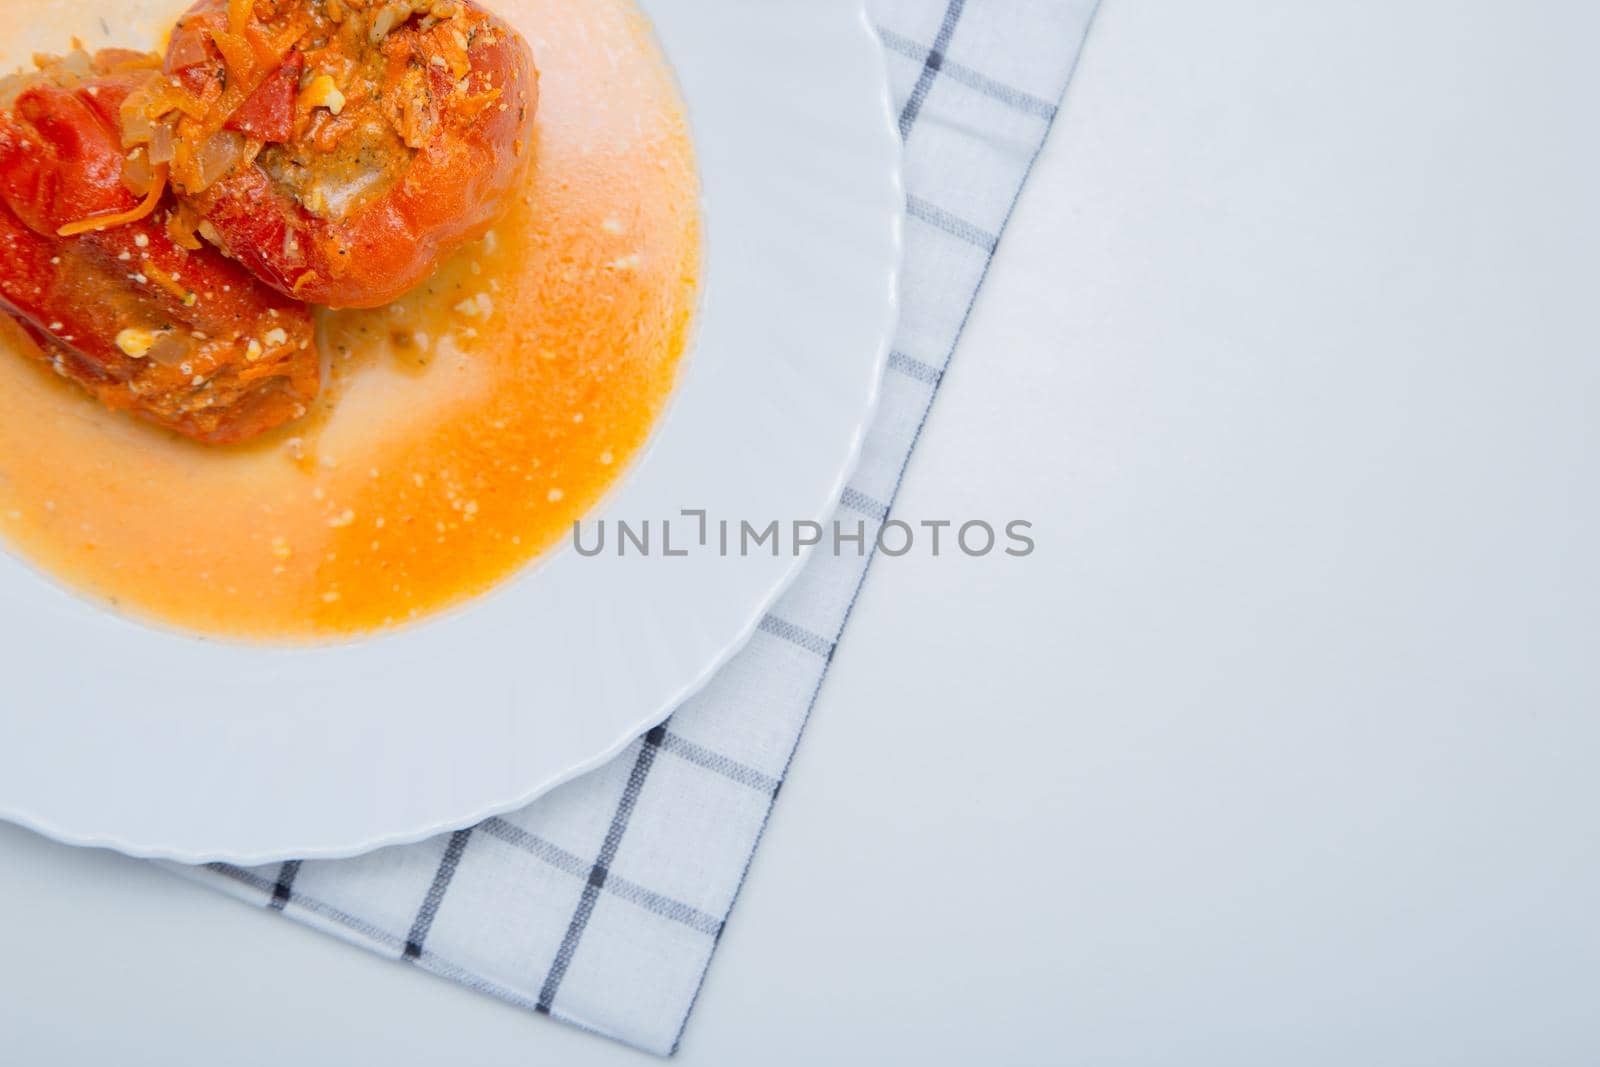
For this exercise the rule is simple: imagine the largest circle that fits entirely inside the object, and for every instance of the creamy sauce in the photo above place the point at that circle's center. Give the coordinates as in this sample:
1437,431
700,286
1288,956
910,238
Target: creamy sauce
461,431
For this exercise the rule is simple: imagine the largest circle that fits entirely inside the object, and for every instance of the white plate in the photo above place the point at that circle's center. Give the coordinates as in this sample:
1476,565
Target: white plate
114,733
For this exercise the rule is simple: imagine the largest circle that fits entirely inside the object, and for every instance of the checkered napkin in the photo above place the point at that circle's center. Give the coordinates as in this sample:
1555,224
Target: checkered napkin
601,903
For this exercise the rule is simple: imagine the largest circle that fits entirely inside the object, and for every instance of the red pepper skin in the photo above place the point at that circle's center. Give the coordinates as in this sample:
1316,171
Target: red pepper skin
61,161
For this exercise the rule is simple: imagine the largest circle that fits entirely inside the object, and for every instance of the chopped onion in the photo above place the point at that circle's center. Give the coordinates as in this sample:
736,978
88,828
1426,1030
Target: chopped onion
188,50
219,155
145,108
138,173
161,144
136,125
136,129
75,64
170,349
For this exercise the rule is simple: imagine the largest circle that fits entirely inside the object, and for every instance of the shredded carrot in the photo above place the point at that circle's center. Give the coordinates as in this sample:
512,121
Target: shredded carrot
181,226
163,279
289,37
237,56
239,14
164,98
231,100
120,218
261,45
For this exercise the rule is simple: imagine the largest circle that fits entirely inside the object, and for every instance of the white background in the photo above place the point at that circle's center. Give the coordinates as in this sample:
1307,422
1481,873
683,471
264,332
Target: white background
1281,747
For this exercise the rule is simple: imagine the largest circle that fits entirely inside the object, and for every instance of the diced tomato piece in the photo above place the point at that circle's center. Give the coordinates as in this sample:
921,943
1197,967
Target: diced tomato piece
267,114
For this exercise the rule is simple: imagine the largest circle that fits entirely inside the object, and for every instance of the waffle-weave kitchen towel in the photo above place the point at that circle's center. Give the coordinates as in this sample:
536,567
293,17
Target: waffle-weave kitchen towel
601,903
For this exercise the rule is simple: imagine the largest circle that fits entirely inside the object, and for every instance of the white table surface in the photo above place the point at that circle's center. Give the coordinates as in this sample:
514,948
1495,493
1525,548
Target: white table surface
1280,748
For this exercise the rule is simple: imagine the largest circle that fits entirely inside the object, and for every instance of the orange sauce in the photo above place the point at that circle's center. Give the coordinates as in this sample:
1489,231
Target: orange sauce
462,430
